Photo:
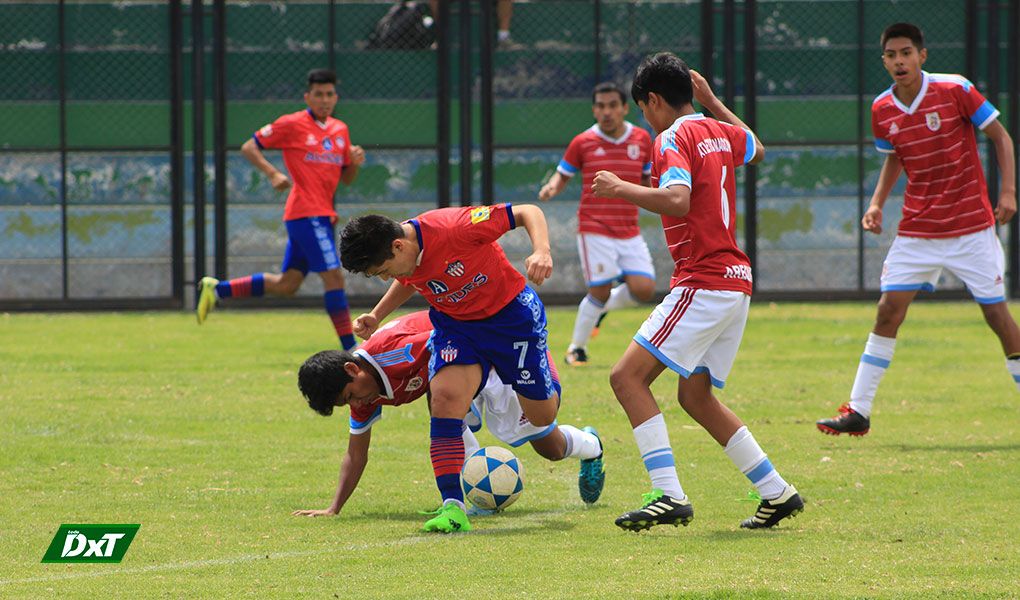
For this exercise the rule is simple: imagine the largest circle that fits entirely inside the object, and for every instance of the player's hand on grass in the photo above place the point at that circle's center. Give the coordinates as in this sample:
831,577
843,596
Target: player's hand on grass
539,267
1006,208
872,220
702,90
357,156
606,185
279,181
365,325
314,513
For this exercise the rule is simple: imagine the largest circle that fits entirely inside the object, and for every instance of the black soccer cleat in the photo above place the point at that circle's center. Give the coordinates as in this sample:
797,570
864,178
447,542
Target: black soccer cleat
771,512
659,509
577,357
849,421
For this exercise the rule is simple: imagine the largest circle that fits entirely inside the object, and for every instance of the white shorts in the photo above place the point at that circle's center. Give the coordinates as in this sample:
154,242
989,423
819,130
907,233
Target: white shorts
605,259
497,403
696,331
915,263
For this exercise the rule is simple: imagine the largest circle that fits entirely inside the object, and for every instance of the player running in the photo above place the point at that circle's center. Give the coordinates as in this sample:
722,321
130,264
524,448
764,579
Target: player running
391,369
697,328
484,317
924,123
318,154
609,239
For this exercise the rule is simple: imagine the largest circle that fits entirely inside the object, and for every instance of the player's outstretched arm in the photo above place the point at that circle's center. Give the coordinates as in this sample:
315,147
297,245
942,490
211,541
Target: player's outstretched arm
1006,206
539,264
351,468
350,172
673,201
891,169
704,95
251,151
553,187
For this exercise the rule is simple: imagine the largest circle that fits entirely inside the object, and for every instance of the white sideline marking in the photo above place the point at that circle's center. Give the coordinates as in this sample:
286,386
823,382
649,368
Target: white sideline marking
195,564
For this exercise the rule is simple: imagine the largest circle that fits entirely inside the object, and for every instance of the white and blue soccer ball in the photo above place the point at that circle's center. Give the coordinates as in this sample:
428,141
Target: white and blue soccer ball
493,478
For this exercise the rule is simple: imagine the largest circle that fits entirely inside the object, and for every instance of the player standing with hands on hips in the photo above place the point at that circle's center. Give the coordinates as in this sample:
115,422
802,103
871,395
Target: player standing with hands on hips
925,125
697,328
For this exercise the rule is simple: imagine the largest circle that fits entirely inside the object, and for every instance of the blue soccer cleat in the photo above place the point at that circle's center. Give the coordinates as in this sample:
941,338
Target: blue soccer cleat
592,475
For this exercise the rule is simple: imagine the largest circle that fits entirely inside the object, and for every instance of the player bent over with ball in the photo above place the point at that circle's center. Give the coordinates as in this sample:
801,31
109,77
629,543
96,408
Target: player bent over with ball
484,317
696,330
391,369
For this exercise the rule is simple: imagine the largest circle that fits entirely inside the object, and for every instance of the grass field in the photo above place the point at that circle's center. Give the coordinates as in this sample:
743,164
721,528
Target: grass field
200,435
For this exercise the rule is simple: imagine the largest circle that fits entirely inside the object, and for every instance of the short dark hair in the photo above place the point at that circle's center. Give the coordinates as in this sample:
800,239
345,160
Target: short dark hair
607,87
321,76
367,242
665,74
322,379
904,30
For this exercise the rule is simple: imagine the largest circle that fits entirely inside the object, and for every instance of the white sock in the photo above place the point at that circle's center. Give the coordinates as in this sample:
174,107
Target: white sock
588,313
653,444
878,353
748,456
580,444
470,442
502,35
1013,365
620,297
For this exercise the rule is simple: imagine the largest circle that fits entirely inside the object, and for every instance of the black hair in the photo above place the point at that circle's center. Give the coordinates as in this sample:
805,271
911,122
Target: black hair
904,30
367,242
321,76
607,87
665,74
322,379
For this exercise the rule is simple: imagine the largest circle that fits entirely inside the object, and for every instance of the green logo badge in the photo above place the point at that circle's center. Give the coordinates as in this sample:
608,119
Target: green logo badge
90,543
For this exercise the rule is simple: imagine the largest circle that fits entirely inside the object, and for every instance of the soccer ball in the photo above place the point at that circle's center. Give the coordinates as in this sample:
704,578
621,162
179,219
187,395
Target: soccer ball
492,478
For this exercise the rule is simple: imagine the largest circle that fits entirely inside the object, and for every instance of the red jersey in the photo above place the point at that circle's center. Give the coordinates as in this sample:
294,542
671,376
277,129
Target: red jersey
314,154
629,157
934,139
398,351
702,154
462,271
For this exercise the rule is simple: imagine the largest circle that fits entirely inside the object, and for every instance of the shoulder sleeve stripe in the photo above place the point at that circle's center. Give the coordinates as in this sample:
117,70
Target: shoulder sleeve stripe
881,96
647,169
959,80
884,146
359,427
675,176
257,142
566,168
984,115
749,152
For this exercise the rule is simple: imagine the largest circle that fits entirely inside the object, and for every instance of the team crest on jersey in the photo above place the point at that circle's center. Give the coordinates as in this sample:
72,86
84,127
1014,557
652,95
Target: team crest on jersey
449,353
633,151
933,121
266,131
339,143
894,129
311,140
455,269
415,383
327,144
436,286
480,214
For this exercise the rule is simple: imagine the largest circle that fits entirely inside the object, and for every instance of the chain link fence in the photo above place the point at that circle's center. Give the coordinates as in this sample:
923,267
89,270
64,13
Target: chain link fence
88,138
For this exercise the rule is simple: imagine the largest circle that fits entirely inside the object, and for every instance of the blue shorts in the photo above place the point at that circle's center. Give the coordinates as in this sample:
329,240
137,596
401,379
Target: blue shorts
310,246
512,341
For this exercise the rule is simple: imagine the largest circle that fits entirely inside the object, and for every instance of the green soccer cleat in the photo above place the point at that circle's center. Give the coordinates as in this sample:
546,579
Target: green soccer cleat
206,298
592,476
451,519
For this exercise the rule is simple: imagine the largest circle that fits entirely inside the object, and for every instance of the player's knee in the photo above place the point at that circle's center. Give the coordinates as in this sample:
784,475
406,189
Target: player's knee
622,380
890,314
643,292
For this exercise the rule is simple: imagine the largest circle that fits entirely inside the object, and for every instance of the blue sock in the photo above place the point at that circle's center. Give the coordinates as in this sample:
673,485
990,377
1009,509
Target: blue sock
447,452
336,307
242,287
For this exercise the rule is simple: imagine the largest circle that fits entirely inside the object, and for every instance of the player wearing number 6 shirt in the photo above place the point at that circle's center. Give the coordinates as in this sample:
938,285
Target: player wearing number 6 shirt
392,369
925,124
696,329
484,317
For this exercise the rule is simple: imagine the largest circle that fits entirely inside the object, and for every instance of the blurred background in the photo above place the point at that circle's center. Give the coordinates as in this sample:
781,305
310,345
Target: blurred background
121,181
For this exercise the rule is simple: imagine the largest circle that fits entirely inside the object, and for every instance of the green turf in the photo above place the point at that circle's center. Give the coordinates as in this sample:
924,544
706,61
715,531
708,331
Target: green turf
199,434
